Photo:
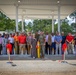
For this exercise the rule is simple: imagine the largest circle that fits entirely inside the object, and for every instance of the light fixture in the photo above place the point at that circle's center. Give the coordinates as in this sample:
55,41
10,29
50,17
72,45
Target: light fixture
58,1
23,11
52,12
49,16
19,1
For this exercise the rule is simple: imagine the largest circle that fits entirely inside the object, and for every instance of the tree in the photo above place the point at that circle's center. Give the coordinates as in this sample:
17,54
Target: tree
20,25
73,25
55,27
42,25
66,28
29,27
6,23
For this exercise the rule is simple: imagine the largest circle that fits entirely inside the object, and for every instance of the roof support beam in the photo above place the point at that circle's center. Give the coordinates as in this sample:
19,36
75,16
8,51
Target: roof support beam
17,18
52,23
59,17
24,4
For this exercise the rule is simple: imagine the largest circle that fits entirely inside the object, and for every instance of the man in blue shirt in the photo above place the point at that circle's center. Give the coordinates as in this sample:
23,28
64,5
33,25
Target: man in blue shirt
63,38
58,40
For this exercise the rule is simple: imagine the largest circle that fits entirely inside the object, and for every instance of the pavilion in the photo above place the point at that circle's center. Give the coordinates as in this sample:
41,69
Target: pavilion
37,9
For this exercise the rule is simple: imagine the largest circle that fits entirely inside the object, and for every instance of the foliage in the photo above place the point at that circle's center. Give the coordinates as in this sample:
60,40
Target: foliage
55,28
6,23
20,25
42,25
29,27
66,28
72,15
36,25
73,25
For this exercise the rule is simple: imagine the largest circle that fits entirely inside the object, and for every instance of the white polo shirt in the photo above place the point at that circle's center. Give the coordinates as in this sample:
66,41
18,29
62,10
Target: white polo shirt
53,38
11,39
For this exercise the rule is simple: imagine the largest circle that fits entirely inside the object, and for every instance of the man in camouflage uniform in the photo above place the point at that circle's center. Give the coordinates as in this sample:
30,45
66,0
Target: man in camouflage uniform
42,44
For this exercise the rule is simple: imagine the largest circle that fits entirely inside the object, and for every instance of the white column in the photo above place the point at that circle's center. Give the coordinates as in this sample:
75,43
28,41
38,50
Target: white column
22,24
58,17
17,18
52,23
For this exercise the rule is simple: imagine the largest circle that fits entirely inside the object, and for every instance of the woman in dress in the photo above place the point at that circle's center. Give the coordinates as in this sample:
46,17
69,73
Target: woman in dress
33,46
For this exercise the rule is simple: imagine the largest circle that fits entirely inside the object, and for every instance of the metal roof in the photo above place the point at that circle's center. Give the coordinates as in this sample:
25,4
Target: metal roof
37,9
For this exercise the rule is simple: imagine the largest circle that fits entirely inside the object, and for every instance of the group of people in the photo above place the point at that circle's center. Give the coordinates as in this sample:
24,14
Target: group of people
50,44
60,39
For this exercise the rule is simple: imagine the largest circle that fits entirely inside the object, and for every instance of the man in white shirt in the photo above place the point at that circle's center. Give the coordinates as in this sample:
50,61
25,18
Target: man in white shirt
46,43
12,42
53,43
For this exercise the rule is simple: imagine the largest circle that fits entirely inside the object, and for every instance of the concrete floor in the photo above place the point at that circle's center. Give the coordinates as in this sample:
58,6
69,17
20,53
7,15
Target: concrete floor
50,65
38,67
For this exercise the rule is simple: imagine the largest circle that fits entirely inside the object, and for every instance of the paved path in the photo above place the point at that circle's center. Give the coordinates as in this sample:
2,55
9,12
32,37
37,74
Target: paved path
38,67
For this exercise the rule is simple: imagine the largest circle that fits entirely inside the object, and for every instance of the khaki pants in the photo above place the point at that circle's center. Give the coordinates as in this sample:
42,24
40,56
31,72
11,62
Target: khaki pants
16,47
28,48
42,50
71,48
22,48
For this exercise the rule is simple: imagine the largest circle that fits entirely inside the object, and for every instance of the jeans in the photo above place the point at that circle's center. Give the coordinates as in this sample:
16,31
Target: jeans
4,50
58,47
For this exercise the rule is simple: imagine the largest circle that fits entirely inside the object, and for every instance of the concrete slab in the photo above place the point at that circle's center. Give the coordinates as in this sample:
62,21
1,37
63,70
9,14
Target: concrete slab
38,67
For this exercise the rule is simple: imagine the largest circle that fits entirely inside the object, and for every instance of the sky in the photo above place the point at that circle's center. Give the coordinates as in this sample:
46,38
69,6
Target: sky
28,20
70,20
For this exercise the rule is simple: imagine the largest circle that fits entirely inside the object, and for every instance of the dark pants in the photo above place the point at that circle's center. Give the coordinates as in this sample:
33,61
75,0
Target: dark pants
12,48
46,48
42,53
53,46
49,49
0,48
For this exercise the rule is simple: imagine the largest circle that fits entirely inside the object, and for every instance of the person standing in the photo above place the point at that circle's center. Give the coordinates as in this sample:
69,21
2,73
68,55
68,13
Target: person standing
29,37
63,40
42,44
9,49
11,39
4,42
75,39
58,40
53,46
46,43
22,43
70,42
16,43
37,35
0,44
49,44
33,46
